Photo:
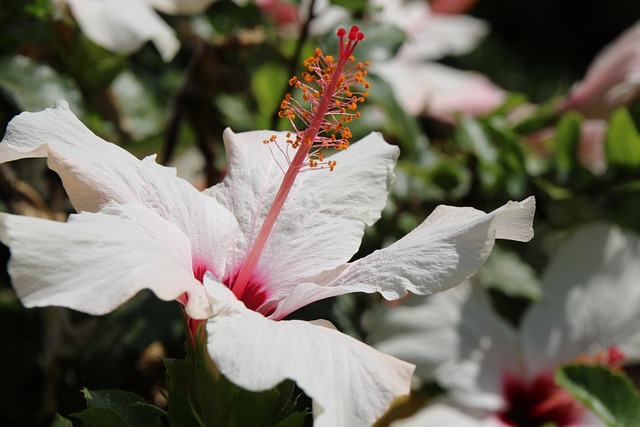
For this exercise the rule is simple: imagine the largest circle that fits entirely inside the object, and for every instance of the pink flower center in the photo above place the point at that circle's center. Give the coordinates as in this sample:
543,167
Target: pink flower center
537,402
254,297
540,401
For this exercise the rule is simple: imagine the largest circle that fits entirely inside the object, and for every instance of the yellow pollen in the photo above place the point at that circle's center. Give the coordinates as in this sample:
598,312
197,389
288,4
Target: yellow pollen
326,119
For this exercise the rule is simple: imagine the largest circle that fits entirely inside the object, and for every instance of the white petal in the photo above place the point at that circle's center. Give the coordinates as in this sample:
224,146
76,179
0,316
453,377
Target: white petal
437,89
95,172
323,219
350,383
455,338
591,300
97,261
430,36
443,251
123,26
326,16
444,415
514,221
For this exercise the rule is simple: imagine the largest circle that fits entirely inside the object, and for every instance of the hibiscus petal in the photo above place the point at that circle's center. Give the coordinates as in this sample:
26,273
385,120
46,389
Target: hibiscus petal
455,338
350,383
323,219
95,172
439,90
97,261
123,26
613,78
430,36
591,299
443,251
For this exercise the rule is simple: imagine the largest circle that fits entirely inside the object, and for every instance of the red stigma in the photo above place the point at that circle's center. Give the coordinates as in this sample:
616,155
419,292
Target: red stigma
348,46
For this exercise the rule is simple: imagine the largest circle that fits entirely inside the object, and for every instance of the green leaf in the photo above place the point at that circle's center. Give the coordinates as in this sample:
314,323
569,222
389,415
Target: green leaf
266,92
566,143
506,272
352,5
100,417
555,192
622,143
179,394
294,420
252,409
138,105
609,395
60,421
35,86
473,136
544,115
199,395
133,409
42,10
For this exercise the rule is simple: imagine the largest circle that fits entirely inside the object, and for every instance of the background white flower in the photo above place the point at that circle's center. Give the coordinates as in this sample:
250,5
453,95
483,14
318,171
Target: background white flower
457,339
419,84
123,26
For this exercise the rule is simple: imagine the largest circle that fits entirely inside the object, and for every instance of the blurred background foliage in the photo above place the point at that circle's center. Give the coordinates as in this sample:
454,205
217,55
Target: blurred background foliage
232,71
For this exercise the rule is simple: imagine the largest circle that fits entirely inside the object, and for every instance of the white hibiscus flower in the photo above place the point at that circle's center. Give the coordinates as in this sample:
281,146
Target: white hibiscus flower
497,376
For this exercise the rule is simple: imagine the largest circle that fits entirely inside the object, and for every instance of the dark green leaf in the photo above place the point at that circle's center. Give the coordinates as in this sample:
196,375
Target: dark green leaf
100,417
294,420
252,409
622,143
133,409
182,411
566,143
60,421
609,395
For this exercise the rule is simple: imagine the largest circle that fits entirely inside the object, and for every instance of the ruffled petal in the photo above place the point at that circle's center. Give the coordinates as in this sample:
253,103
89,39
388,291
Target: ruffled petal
350,383
443,251
323,219
455,338
97,261
95,172
591,299
123,26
